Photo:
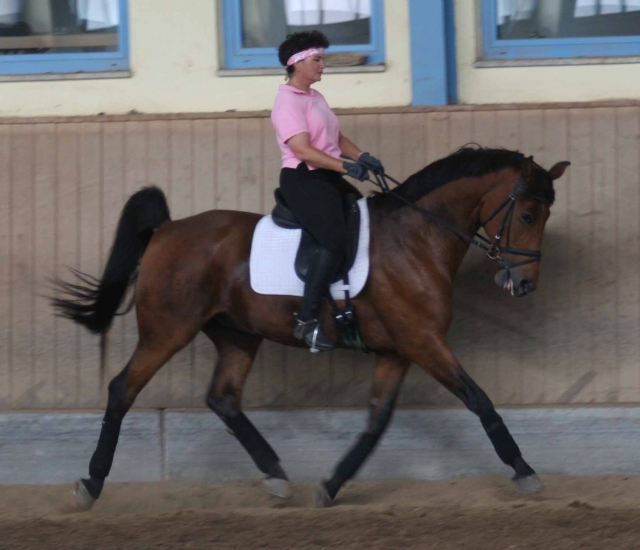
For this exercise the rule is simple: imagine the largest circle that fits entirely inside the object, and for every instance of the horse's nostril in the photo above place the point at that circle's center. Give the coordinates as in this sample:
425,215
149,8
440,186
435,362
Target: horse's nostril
526,286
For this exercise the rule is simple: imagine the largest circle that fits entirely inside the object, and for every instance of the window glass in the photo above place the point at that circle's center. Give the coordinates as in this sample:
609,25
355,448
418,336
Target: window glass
265,23
540,19
59,26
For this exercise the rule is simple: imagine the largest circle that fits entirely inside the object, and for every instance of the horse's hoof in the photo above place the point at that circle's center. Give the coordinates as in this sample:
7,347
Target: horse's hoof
83,499
321,496
277,487
528,484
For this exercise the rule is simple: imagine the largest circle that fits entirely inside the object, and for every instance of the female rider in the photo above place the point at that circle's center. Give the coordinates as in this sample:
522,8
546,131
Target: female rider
308,133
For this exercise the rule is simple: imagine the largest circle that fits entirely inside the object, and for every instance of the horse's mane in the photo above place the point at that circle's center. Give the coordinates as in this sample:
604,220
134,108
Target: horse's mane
469,161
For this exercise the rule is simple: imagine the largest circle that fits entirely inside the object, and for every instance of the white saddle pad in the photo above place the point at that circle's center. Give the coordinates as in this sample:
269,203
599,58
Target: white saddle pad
273,253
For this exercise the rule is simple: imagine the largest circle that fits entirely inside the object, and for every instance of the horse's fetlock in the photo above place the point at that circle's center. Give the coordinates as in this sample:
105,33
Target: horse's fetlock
276,471
94,486
521,468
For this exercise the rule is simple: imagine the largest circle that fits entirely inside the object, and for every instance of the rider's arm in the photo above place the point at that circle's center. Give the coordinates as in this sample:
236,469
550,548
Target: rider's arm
301,145
348,149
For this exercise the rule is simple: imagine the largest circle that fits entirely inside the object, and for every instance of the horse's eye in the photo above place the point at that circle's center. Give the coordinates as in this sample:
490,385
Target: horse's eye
527,218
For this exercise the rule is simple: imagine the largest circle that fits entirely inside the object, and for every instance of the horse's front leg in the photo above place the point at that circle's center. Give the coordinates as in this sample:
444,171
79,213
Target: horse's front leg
439,361
389,373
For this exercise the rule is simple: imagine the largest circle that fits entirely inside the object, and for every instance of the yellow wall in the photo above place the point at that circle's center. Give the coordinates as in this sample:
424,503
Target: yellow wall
534,84
174,59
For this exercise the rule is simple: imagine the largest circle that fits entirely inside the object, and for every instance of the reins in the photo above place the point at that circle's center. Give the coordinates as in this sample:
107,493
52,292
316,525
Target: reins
493,250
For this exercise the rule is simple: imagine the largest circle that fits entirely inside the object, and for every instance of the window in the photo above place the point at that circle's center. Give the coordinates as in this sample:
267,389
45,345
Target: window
253,29
63,36
525,29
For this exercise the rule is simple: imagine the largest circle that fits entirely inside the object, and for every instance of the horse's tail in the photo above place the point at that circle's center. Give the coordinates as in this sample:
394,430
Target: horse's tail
93,302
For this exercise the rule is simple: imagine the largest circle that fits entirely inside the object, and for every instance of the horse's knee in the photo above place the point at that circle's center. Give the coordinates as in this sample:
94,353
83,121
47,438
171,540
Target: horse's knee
380,415
480,404
226,407
474,398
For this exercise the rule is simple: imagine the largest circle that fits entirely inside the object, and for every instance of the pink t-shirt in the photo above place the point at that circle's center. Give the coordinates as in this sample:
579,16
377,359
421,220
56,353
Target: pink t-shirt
296,112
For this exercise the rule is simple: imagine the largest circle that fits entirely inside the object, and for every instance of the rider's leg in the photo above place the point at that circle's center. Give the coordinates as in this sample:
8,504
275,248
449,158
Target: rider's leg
321,271
317,203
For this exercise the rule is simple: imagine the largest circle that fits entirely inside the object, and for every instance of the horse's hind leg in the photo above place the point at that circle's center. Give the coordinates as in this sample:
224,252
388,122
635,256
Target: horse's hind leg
389,374
123,390
236,352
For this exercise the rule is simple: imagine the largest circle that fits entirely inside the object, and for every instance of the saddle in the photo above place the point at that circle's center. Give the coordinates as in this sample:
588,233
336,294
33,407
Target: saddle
283,217
345,318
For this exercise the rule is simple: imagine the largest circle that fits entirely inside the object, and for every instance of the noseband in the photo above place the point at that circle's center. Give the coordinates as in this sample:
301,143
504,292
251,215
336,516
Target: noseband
493,249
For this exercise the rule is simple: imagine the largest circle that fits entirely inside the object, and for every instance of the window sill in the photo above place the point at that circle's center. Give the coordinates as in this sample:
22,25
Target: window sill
64,76
280,71
542,62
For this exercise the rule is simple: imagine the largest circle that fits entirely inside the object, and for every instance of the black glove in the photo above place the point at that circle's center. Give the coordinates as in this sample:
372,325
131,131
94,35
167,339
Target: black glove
372,163
356,170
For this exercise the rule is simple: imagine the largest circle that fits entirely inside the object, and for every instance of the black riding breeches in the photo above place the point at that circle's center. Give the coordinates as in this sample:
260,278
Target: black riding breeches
316,198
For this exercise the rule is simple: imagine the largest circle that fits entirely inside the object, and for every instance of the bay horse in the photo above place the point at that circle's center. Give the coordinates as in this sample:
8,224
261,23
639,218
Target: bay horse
193,275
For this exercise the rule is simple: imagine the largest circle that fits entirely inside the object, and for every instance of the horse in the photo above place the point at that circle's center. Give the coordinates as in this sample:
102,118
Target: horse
193,275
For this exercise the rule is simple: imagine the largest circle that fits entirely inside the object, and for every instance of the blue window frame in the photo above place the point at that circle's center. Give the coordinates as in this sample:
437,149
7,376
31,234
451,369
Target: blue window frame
79,62
572,46
237,56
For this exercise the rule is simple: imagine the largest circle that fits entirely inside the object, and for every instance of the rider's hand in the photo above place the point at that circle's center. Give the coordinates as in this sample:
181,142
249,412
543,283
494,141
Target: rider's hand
356,170
372,163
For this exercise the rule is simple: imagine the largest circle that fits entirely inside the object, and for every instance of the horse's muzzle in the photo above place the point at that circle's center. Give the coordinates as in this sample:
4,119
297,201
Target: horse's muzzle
525,287
510,282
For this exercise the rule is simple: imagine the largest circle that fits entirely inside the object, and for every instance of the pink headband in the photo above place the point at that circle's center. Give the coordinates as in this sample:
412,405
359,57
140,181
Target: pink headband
304,54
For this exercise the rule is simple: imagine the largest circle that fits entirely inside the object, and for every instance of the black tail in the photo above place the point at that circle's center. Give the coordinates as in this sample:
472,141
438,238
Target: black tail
94,302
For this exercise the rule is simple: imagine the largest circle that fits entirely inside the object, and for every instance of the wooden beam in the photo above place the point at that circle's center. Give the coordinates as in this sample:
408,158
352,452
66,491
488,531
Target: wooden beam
58,41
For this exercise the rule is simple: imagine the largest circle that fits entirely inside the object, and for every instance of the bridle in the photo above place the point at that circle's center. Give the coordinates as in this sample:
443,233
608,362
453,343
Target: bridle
493,249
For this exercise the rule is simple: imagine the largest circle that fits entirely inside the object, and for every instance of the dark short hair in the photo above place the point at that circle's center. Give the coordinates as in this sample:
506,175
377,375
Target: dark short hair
299,42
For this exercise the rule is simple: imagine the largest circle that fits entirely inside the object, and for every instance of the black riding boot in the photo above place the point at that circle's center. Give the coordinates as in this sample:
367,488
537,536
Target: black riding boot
321,271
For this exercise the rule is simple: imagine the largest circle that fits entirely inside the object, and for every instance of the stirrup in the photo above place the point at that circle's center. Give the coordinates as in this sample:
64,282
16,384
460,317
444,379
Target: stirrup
300,332
313,348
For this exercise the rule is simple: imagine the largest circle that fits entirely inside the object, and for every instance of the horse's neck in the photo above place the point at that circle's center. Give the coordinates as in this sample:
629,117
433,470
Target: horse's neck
457,203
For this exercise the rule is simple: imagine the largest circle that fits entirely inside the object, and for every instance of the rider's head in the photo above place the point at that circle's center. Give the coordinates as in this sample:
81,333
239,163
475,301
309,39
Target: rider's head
300,42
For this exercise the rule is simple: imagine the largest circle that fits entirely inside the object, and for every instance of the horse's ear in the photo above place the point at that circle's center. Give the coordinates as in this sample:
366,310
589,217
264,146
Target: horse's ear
558,169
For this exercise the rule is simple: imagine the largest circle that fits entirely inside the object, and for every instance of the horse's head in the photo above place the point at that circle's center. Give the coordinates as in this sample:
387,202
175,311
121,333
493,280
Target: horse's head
514,216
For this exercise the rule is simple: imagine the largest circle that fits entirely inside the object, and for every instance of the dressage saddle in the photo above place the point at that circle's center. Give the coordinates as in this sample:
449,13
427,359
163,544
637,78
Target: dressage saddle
283,217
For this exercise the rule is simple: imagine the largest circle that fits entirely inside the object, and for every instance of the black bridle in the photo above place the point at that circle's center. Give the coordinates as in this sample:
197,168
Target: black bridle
493,249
